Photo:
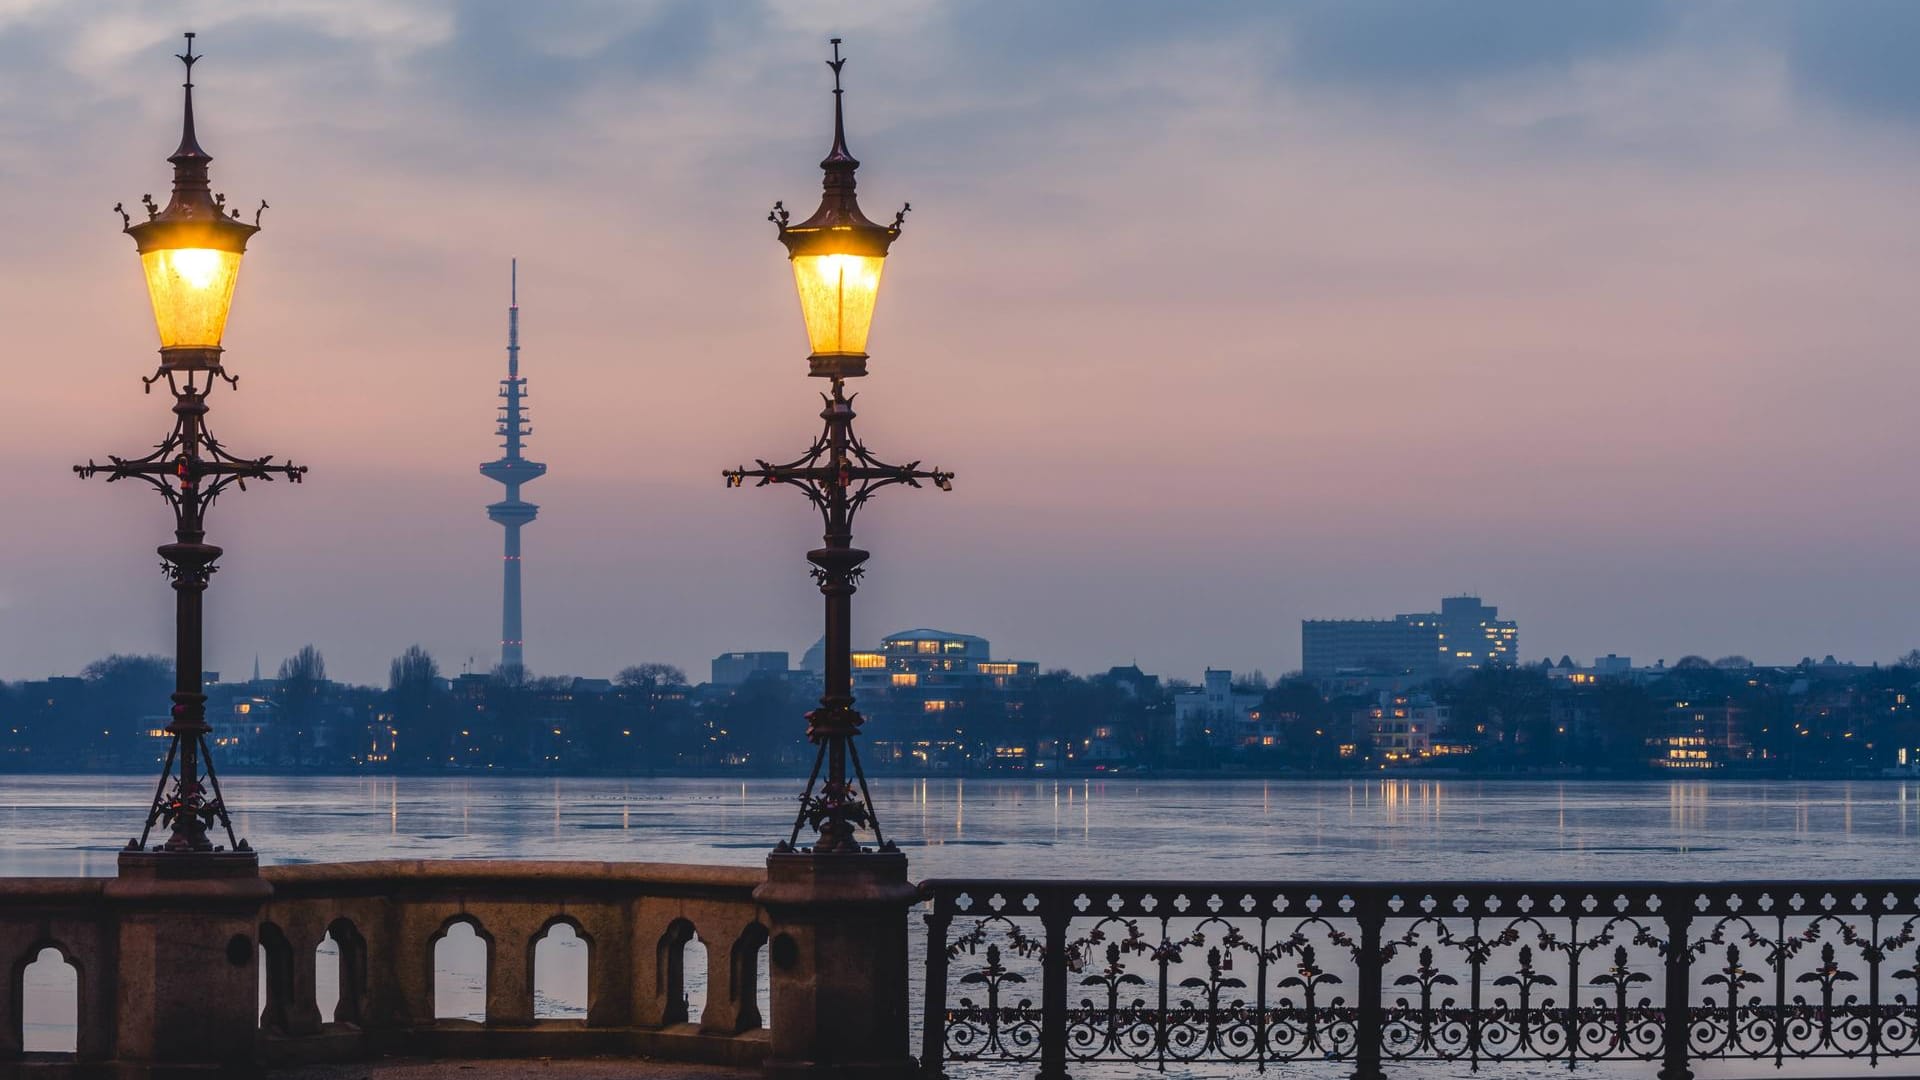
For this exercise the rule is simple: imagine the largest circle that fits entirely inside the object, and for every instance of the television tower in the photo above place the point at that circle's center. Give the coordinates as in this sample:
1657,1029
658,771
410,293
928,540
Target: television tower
512,470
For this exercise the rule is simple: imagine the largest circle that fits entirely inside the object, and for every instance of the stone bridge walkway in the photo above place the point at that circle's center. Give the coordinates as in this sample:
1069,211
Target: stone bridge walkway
536,1069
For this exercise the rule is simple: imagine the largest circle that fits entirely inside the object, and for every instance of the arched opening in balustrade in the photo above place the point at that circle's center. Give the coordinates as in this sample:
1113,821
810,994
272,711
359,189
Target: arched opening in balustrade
763,981
326,976
673,963
49,995
339,987
748,969
459,959
562,955
276,978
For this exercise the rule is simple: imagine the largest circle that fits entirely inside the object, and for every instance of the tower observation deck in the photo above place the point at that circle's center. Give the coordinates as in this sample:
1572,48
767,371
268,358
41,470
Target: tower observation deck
512,469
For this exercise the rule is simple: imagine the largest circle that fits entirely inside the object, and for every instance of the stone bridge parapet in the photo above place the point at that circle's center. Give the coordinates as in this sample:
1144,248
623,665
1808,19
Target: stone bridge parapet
635,919
386,918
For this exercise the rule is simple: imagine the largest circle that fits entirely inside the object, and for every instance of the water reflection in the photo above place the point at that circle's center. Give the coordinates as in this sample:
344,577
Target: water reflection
1334,829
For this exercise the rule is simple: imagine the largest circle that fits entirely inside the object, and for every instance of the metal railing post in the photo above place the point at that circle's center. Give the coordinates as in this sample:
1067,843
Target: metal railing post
1677,1022
1054,915
933,1015
1370,1030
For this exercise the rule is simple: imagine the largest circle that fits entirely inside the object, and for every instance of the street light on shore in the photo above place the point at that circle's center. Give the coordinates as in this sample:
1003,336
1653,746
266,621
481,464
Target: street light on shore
190,252
837,257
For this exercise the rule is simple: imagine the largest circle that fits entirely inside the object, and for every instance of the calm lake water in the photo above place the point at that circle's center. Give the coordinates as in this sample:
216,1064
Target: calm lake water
1203,830
1176,829
1218,829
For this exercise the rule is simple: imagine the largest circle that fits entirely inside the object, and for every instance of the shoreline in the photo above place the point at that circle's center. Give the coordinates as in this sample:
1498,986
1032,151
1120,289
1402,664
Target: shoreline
1041,775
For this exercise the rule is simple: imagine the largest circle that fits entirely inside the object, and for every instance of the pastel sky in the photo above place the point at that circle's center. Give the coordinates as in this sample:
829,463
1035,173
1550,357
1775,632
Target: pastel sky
1227,315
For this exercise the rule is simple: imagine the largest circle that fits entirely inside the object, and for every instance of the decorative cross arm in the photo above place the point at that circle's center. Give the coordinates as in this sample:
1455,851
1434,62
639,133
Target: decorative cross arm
190,468
838,469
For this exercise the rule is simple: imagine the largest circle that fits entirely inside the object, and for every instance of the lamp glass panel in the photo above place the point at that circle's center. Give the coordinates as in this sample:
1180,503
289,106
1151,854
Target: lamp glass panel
192,291
837,294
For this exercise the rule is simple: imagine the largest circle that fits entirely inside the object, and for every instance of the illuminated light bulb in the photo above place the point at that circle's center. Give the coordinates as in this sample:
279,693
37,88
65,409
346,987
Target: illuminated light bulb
837,297
192,292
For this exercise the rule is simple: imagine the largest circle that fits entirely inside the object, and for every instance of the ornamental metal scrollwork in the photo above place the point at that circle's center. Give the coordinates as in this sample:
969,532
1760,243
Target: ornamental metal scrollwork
1164,974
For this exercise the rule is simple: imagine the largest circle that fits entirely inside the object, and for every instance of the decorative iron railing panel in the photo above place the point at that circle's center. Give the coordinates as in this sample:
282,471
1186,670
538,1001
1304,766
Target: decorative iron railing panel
1167,973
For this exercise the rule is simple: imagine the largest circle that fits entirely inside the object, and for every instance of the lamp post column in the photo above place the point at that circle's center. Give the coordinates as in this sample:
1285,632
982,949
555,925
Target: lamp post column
837,911
837,567
190,563
190,253
187,912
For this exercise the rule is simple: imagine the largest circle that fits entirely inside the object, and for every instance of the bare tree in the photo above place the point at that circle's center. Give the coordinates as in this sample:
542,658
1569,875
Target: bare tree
412,669
306,667
654,674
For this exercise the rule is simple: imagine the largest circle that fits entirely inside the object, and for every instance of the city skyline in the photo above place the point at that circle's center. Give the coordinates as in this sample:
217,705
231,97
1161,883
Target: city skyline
1477,318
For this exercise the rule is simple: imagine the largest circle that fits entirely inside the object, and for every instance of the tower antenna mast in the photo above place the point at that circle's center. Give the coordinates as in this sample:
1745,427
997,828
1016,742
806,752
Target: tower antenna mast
512,469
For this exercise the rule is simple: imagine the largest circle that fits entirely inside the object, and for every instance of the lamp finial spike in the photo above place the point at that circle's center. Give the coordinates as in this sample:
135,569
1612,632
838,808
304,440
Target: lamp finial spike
839,151
189,144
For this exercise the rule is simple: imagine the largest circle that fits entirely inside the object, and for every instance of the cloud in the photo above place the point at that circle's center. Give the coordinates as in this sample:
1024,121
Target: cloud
1440,43
1858,54
516,59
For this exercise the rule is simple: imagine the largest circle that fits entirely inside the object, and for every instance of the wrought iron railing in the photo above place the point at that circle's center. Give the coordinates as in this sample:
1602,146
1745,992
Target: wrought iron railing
1163,974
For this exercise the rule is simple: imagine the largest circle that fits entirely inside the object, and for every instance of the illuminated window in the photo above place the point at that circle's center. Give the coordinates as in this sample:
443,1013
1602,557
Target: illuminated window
926,646
905,678
869,660
956,646
998,669
934,706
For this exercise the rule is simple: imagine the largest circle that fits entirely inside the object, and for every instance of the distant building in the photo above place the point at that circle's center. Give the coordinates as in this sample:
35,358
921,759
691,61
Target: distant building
1388,646
1405,727
245,736
939,664
921,681
1604,667
1700,736
1473,635
814,660
1215,713
1134,682
1463,635
734,668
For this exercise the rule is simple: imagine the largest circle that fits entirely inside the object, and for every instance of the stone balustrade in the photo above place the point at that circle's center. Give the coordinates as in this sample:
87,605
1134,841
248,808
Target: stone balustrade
387,918
635,919
72,916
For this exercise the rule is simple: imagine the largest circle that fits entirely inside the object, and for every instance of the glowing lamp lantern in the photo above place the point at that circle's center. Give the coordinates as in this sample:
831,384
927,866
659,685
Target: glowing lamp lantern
837,257
191,254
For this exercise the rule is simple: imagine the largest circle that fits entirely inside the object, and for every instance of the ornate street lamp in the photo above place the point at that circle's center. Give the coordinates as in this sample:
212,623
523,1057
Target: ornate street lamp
191,254
837,256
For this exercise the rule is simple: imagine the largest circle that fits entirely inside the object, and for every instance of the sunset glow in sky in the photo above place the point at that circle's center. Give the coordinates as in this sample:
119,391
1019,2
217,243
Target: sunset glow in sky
1226,315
